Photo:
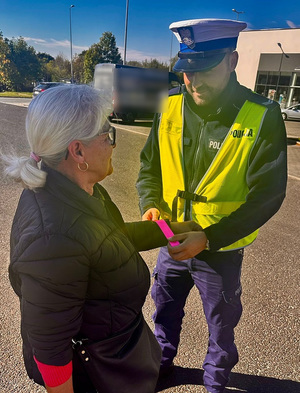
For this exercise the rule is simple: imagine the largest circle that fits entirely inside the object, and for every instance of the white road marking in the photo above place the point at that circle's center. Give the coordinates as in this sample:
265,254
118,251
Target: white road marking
294,177
134,132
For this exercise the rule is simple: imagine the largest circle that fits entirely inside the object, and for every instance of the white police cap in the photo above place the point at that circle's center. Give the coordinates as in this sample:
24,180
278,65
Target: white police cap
204,42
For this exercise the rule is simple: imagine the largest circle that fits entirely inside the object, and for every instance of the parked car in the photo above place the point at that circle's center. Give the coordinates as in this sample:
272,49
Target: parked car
42,86
291,113
136,92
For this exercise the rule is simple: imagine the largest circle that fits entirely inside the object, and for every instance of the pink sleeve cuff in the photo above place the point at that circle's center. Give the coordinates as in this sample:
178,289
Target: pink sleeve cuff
166,230
54,375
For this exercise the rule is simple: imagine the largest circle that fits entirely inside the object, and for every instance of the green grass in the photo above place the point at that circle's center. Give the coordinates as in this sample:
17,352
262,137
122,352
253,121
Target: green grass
15,94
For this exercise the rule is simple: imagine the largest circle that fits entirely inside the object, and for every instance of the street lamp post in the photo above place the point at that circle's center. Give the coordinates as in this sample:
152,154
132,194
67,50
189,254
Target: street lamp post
237,13
279,73
125,35
71,6
292,87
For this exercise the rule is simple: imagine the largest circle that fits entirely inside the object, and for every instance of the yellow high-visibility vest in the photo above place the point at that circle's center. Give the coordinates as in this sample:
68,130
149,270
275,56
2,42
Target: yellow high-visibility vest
223,188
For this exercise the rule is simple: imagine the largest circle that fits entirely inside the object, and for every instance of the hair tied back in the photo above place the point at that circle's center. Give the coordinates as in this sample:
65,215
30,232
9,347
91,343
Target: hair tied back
35,157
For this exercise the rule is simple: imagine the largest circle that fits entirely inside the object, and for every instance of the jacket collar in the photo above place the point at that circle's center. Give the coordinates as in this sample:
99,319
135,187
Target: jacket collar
71,194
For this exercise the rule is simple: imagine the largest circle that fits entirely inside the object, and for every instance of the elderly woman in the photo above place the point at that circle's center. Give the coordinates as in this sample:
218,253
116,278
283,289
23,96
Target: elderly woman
74,262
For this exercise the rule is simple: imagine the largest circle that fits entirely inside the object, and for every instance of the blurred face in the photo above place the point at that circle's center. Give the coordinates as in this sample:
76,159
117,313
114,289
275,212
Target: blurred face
206,86
99,154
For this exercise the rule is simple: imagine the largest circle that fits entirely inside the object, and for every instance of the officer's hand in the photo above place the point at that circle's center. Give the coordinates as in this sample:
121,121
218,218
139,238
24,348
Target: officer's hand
186,226
191,244
151,214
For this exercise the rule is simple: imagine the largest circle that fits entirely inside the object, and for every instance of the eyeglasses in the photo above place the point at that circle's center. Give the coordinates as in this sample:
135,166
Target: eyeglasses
112,136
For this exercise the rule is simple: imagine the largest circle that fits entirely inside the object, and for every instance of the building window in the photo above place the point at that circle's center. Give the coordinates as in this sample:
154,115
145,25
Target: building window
272,85
297,81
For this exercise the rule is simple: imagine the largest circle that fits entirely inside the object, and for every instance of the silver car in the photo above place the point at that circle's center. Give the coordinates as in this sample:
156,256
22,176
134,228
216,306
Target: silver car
42,86
291,113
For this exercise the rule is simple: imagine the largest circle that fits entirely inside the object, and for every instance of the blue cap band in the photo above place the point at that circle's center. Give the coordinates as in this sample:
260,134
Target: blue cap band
210,45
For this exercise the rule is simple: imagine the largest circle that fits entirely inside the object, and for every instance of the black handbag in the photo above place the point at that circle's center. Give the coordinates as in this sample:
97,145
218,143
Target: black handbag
126,363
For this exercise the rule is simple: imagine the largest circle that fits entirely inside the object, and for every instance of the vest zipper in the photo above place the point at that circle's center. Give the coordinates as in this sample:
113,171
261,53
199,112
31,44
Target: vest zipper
187,214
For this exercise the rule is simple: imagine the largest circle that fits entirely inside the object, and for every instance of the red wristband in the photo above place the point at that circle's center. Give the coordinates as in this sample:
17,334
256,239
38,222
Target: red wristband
166,230
54,375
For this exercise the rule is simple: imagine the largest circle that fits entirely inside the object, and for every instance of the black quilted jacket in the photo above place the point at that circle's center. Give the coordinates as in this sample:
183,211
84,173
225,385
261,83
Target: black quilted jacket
75,267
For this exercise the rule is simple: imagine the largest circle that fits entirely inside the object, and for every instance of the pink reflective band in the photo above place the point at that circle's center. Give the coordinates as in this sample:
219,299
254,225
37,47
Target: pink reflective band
166,230
54,375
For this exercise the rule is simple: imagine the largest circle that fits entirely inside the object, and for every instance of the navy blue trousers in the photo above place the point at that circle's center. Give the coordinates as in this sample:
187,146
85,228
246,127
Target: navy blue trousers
217,277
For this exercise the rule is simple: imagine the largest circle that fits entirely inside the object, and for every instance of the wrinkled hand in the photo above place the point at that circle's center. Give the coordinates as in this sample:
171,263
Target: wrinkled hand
151,214
186,226
191,244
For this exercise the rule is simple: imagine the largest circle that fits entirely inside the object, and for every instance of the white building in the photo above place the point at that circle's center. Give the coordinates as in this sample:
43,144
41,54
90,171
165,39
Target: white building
264,66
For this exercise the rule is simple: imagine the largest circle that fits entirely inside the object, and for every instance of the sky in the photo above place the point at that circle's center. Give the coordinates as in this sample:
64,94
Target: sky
45,25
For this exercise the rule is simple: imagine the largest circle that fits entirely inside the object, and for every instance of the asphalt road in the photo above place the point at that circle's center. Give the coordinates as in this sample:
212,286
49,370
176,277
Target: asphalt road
268,334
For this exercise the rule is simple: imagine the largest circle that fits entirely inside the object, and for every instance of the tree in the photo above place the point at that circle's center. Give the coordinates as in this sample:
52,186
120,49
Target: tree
59,69
63,67
134,63
5,81
25,64
178,74
173,61
78,67
154,63
110,52
105,51
44,59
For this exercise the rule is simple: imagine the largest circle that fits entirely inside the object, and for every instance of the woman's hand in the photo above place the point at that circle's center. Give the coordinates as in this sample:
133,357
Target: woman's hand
192,243
186,226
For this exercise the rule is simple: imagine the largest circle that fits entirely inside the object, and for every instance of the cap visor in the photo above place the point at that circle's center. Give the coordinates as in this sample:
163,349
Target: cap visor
195,65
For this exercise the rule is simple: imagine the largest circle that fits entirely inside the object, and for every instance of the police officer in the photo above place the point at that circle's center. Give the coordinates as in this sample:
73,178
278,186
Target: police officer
217,156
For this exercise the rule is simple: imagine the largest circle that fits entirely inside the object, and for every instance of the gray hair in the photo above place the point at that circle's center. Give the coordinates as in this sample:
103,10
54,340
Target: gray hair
55,118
